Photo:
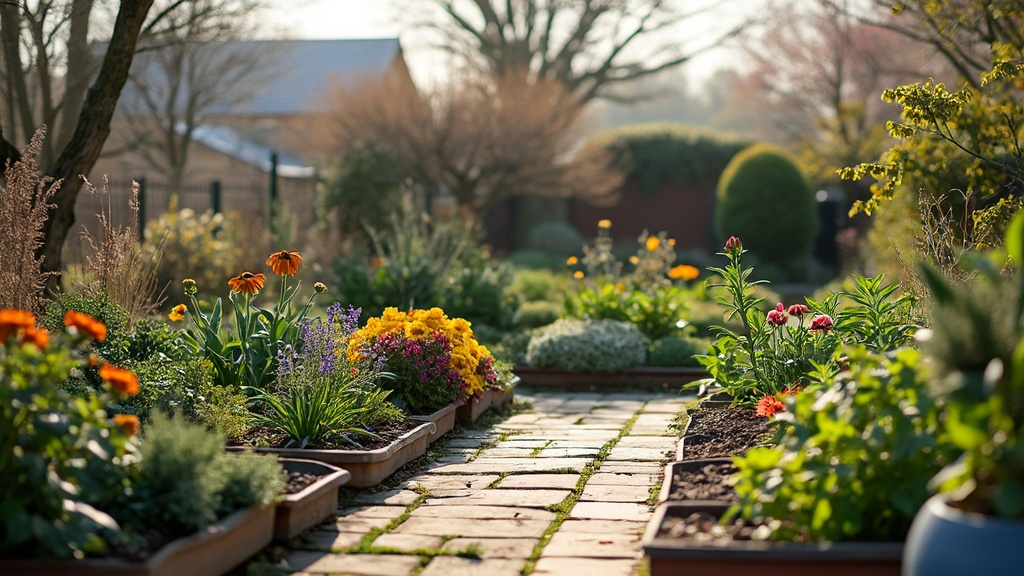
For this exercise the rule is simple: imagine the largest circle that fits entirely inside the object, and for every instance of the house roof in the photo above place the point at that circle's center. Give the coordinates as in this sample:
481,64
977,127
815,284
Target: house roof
227,141
304,70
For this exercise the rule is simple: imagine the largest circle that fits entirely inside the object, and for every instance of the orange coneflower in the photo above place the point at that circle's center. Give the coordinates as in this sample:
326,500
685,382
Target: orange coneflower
84,323
769,405
177,313
37,336
12,321
247,283
684,271
284,263
652,243
121,381
128,422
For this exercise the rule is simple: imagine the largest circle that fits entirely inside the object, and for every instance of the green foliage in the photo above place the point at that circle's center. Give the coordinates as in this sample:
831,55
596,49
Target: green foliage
116,346
538,313
203,247
656,315
361,190
188,387
676,350
853,460
541,285
978,341
667,151
318,413
186,480
479,290
765,199
787,347
587,346
536,260
247,358
554,237
60,454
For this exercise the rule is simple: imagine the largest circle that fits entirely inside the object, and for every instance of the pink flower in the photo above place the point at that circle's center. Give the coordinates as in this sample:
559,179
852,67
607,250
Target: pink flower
733,244
798,310
777,316
821,323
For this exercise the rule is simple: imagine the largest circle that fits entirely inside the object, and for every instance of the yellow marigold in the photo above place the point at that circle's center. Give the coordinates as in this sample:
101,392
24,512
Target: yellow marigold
578,274
606,223
121,381
247,283
12,321
128,422
83,323
178,313
572,261
284,263
653,243
634,260
684,271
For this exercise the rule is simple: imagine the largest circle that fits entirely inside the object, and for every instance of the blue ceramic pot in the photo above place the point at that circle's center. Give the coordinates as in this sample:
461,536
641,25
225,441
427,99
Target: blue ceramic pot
947,541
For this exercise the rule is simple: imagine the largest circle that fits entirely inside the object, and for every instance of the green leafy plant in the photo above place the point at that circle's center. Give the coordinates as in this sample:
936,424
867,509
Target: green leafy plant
852,461
676,350
587,346
248,357
317,413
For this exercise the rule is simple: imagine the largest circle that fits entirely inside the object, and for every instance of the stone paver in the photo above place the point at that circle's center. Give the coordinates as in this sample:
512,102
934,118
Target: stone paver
494,493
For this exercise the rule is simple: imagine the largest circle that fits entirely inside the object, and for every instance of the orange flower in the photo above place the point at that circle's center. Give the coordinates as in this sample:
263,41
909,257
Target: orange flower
121,381
247,283
37,336
129,422
84,323
572,261
177,313
376,262
578,274
653,243
671,241
769,405
12,321
684,271
604,223
284,263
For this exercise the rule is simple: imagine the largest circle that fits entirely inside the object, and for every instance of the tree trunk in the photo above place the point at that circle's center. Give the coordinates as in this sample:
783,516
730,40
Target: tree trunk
83,149
80,70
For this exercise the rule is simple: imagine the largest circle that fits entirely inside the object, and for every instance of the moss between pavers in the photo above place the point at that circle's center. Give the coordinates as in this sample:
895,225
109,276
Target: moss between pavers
564,508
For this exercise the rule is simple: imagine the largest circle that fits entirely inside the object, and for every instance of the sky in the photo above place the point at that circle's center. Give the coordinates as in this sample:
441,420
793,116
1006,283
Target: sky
321,19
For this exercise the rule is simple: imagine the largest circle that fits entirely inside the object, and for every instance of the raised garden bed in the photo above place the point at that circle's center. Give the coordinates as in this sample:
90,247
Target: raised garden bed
309,506
367,467
698,480
495,397
216,550
686,538
443,419
643,378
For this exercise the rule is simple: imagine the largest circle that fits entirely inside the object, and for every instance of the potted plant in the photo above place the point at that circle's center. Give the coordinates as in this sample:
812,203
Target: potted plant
82,494
315,496
976,522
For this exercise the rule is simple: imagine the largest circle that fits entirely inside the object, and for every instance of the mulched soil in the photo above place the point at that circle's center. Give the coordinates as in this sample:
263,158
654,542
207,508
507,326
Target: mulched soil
720,432
298,481
703,528
708,483
386,434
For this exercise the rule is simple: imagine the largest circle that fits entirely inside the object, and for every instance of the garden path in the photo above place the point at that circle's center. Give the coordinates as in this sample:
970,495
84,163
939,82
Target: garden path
562,489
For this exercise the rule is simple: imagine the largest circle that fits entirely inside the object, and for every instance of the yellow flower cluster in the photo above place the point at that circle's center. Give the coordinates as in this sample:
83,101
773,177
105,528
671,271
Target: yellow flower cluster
420,325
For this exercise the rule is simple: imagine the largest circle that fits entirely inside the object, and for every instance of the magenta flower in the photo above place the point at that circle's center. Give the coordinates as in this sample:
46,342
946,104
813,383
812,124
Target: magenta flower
821,323
777,316
798,310
733,244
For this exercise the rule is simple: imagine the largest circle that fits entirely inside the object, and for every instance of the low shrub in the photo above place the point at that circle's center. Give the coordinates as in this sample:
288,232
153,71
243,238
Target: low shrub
587,346
554,238
537,313
676,350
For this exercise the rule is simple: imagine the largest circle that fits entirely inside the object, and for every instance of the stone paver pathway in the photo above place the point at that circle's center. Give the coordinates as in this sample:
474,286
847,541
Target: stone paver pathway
559,490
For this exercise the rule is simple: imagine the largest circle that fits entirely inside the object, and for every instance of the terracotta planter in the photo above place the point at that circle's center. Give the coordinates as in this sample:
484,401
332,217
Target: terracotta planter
368,467
212,552
443,419
473,408
305,509
944,540
645,378
670,556
673,468
717,400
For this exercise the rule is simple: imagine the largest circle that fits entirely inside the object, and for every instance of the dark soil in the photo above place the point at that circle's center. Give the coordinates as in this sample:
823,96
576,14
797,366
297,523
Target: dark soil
721,432
298,481
708,483
704,528
386,433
